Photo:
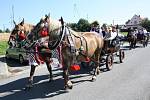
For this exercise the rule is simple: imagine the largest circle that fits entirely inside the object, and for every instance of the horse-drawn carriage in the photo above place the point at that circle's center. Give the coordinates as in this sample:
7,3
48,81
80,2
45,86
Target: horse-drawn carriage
72,47
112,49
137,36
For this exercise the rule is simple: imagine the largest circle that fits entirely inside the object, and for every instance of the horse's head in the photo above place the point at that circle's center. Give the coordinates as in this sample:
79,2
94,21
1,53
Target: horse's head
20,31
18,28
47,27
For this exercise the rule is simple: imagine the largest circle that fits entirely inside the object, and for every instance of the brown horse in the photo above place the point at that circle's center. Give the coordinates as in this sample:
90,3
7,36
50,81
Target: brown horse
28,29
75,46
132,39
21,28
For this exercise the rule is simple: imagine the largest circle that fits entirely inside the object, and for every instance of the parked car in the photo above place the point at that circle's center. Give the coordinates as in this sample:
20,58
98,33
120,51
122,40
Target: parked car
17,53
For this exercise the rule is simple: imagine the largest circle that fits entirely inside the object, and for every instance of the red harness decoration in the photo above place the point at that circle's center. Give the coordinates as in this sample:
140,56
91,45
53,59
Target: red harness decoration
75,67
38,58
22,36
44,32
87,59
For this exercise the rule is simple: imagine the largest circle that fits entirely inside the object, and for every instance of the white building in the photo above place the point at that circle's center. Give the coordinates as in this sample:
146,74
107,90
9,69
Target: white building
134,22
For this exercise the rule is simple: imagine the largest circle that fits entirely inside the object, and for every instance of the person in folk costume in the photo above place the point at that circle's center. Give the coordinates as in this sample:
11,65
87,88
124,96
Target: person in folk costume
103,31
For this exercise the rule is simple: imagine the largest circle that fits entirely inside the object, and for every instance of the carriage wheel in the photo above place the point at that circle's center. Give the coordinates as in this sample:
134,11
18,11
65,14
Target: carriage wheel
109,62
121,55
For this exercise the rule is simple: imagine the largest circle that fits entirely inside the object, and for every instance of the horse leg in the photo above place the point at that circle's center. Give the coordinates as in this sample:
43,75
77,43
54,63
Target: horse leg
67,83
48,63
97,68
130,45
30,80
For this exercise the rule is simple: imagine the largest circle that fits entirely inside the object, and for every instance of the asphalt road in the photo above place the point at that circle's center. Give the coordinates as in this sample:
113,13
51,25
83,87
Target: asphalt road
129,80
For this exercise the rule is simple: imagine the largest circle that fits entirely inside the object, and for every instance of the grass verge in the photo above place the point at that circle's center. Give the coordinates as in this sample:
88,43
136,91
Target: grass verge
3,47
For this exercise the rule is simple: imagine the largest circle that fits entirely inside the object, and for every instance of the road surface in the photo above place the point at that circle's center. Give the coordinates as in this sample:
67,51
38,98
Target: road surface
129,80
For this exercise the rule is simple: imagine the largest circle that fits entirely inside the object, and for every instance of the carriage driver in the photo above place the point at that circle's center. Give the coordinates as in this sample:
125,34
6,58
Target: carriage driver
110,33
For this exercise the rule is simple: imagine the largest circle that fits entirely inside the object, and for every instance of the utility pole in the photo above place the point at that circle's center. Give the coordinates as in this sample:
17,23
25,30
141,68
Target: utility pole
12,17
87,16
13,12
113,22
3,28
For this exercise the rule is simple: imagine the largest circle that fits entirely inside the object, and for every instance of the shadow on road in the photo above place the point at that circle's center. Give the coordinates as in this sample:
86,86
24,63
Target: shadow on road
14,63
2,59
42,88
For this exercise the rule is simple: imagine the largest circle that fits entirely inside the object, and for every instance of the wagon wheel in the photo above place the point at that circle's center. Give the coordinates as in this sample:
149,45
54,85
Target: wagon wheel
121,55
109,62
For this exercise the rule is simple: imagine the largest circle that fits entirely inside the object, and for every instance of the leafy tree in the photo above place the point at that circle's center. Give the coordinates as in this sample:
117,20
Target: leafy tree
146,24
7,30
1,31
83,25
73,26
95,24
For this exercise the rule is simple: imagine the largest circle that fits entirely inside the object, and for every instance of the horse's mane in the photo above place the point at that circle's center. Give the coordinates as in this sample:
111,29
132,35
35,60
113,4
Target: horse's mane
28,27
54,24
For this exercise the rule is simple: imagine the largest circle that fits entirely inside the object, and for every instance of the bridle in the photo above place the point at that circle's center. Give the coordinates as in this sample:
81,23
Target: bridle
53,44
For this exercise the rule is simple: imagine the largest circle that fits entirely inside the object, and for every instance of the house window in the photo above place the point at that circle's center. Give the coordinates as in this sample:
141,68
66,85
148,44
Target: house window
135,22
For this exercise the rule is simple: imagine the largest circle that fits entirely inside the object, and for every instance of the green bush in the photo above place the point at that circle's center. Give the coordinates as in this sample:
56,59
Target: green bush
3,47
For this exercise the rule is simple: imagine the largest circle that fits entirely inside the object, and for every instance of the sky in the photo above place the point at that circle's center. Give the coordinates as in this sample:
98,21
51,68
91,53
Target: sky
104,11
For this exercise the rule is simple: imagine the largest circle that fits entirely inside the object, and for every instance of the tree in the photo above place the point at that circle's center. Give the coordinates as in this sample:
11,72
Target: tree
95,24
73,26
146,24
1,31
83,25
7,30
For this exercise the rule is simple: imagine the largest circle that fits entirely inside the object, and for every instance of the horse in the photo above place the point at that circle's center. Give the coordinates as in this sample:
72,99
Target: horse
21,28
44,56
75,46
143,38
132,39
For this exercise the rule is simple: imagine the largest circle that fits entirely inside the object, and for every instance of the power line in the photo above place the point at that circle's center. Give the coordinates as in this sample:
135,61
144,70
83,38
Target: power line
76,13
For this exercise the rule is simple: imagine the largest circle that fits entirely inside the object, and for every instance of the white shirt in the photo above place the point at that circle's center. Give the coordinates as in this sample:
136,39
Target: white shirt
113,35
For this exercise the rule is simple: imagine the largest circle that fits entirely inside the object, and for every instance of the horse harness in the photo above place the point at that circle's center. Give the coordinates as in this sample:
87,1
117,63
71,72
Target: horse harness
66,39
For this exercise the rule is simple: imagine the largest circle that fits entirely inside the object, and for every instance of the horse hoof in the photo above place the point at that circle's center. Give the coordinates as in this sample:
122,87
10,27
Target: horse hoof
93,78
50,80
70,87
28,87
98,72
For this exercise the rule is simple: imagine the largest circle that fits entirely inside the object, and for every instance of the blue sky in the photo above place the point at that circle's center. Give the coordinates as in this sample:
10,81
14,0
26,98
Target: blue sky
104,11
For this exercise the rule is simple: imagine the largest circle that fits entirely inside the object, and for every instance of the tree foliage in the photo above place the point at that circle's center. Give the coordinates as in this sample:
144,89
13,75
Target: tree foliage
95,24
7,30
1,31
73,26
146,24
83,25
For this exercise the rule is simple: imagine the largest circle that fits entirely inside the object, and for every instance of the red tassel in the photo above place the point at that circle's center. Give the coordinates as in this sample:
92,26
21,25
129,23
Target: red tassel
75,67
87,59
21,36
44,32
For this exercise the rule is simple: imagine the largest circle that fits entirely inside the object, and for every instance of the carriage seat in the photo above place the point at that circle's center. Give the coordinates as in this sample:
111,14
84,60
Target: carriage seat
115,42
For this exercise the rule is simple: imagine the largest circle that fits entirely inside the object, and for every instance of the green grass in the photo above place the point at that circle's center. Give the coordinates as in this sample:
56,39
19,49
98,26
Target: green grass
124,33
3,47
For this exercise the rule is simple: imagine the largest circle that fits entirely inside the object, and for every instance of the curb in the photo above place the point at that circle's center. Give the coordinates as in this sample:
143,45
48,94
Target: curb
3,68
